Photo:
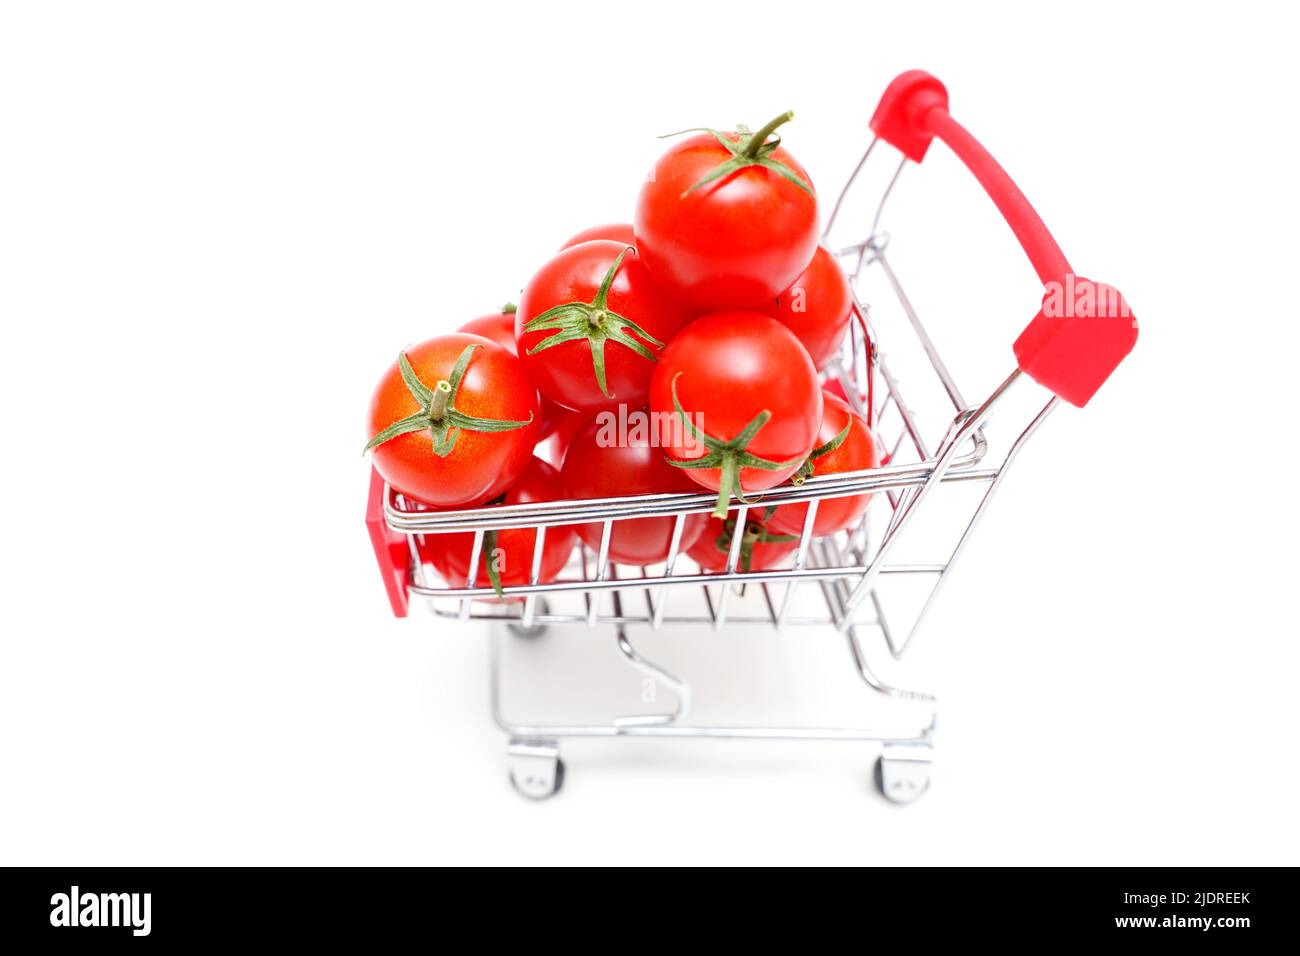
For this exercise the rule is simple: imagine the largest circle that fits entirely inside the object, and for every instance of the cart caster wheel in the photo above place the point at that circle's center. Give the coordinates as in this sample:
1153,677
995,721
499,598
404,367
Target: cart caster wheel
536,770
537,630
902,771
540,787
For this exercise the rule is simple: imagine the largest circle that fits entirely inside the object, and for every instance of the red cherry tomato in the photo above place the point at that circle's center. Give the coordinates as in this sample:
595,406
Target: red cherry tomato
556,445
453,421
512,550
817,307
589,325
761,548
500,328
727,226
834,387
855,451
750,398
603,464
620,232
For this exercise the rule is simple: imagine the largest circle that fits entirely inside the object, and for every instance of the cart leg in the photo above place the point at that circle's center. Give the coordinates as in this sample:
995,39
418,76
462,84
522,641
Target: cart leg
533,630
903,769
536,769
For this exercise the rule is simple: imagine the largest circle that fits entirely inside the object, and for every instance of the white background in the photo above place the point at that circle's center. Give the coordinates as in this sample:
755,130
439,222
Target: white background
218,222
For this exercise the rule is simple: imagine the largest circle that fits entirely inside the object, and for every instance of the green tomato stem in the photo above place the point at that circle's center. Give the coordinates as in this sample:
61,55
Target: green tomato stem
441,399
758,139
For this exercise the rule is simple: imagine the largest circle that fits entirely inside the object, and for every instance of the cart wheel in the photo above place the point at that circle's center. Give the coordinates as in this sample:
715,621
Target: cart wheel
902,771
538,788
537,630
536,770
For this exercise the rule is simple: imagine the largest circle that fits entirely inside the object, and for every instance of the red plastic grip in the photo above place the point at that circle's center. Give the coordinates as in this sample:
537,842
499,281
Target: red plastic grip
391,549
1083,329
1079,336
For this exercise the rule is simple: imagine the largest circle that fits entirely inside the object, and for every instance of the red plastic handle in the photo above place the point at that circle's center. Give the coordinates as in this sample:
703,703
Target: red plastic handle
1083,329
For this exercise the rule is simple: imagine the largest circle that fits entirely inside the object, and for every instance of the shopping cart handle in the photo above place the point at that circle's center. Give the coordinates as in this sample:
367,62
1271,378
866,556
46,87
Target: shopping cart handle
1083,329
391,550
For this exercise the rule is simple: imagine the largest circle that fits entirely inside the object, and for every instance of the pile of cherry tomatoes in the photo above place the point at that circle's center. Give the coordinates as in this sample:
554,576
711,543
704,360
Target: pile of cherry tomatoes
713,312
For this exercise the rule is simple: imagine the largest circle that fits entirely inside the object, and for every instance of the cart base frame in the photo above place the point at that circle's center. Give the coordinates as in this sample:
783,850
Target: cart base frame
536,770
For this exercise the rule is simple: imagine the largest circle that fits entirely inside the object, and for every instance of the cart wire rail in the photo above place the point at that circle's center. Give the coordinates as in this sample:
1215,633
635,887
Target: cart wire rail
846,568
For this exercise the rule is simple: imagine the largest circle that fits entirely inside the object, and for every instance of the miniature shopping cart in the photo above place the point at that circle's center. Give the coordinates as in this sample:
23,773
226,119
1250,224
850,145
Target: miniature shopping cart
1081,333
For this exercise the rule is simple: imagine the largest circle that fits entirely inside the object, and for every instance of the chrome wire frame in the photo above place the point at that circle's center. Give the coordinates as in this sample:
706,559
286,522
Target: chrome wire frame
846,567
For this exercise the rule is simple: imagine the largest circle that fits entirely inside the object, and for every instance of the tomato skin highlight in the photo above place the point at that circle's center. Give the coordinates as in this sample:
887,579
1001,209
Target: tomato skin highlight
817,307
450,553
857,452
620,232
564,373
736,243
500,328
556,445
711,548
481,464
729,367
634,467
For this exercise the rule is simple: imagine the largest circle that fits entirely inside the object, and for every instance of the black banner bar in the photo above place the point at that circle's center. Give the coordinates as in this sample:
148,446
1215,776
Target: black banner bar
1223,907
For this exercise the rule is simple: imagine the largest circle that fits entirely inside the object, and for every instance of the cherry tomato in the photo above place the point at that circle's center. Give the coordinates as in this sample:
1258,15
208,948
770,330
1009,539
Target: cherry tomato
453,421
500,328
727,220
512,549
589,325
817,307
620,232
604,464
833,387
844,443
746,399
761,548
556,445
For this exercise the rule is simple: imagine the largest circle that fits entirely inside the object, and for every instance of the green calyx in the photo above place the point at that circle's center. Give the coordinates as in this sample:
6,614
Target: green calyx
753,534
748,149
595,322
727,456
438,413
509,309
806,469
490,559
